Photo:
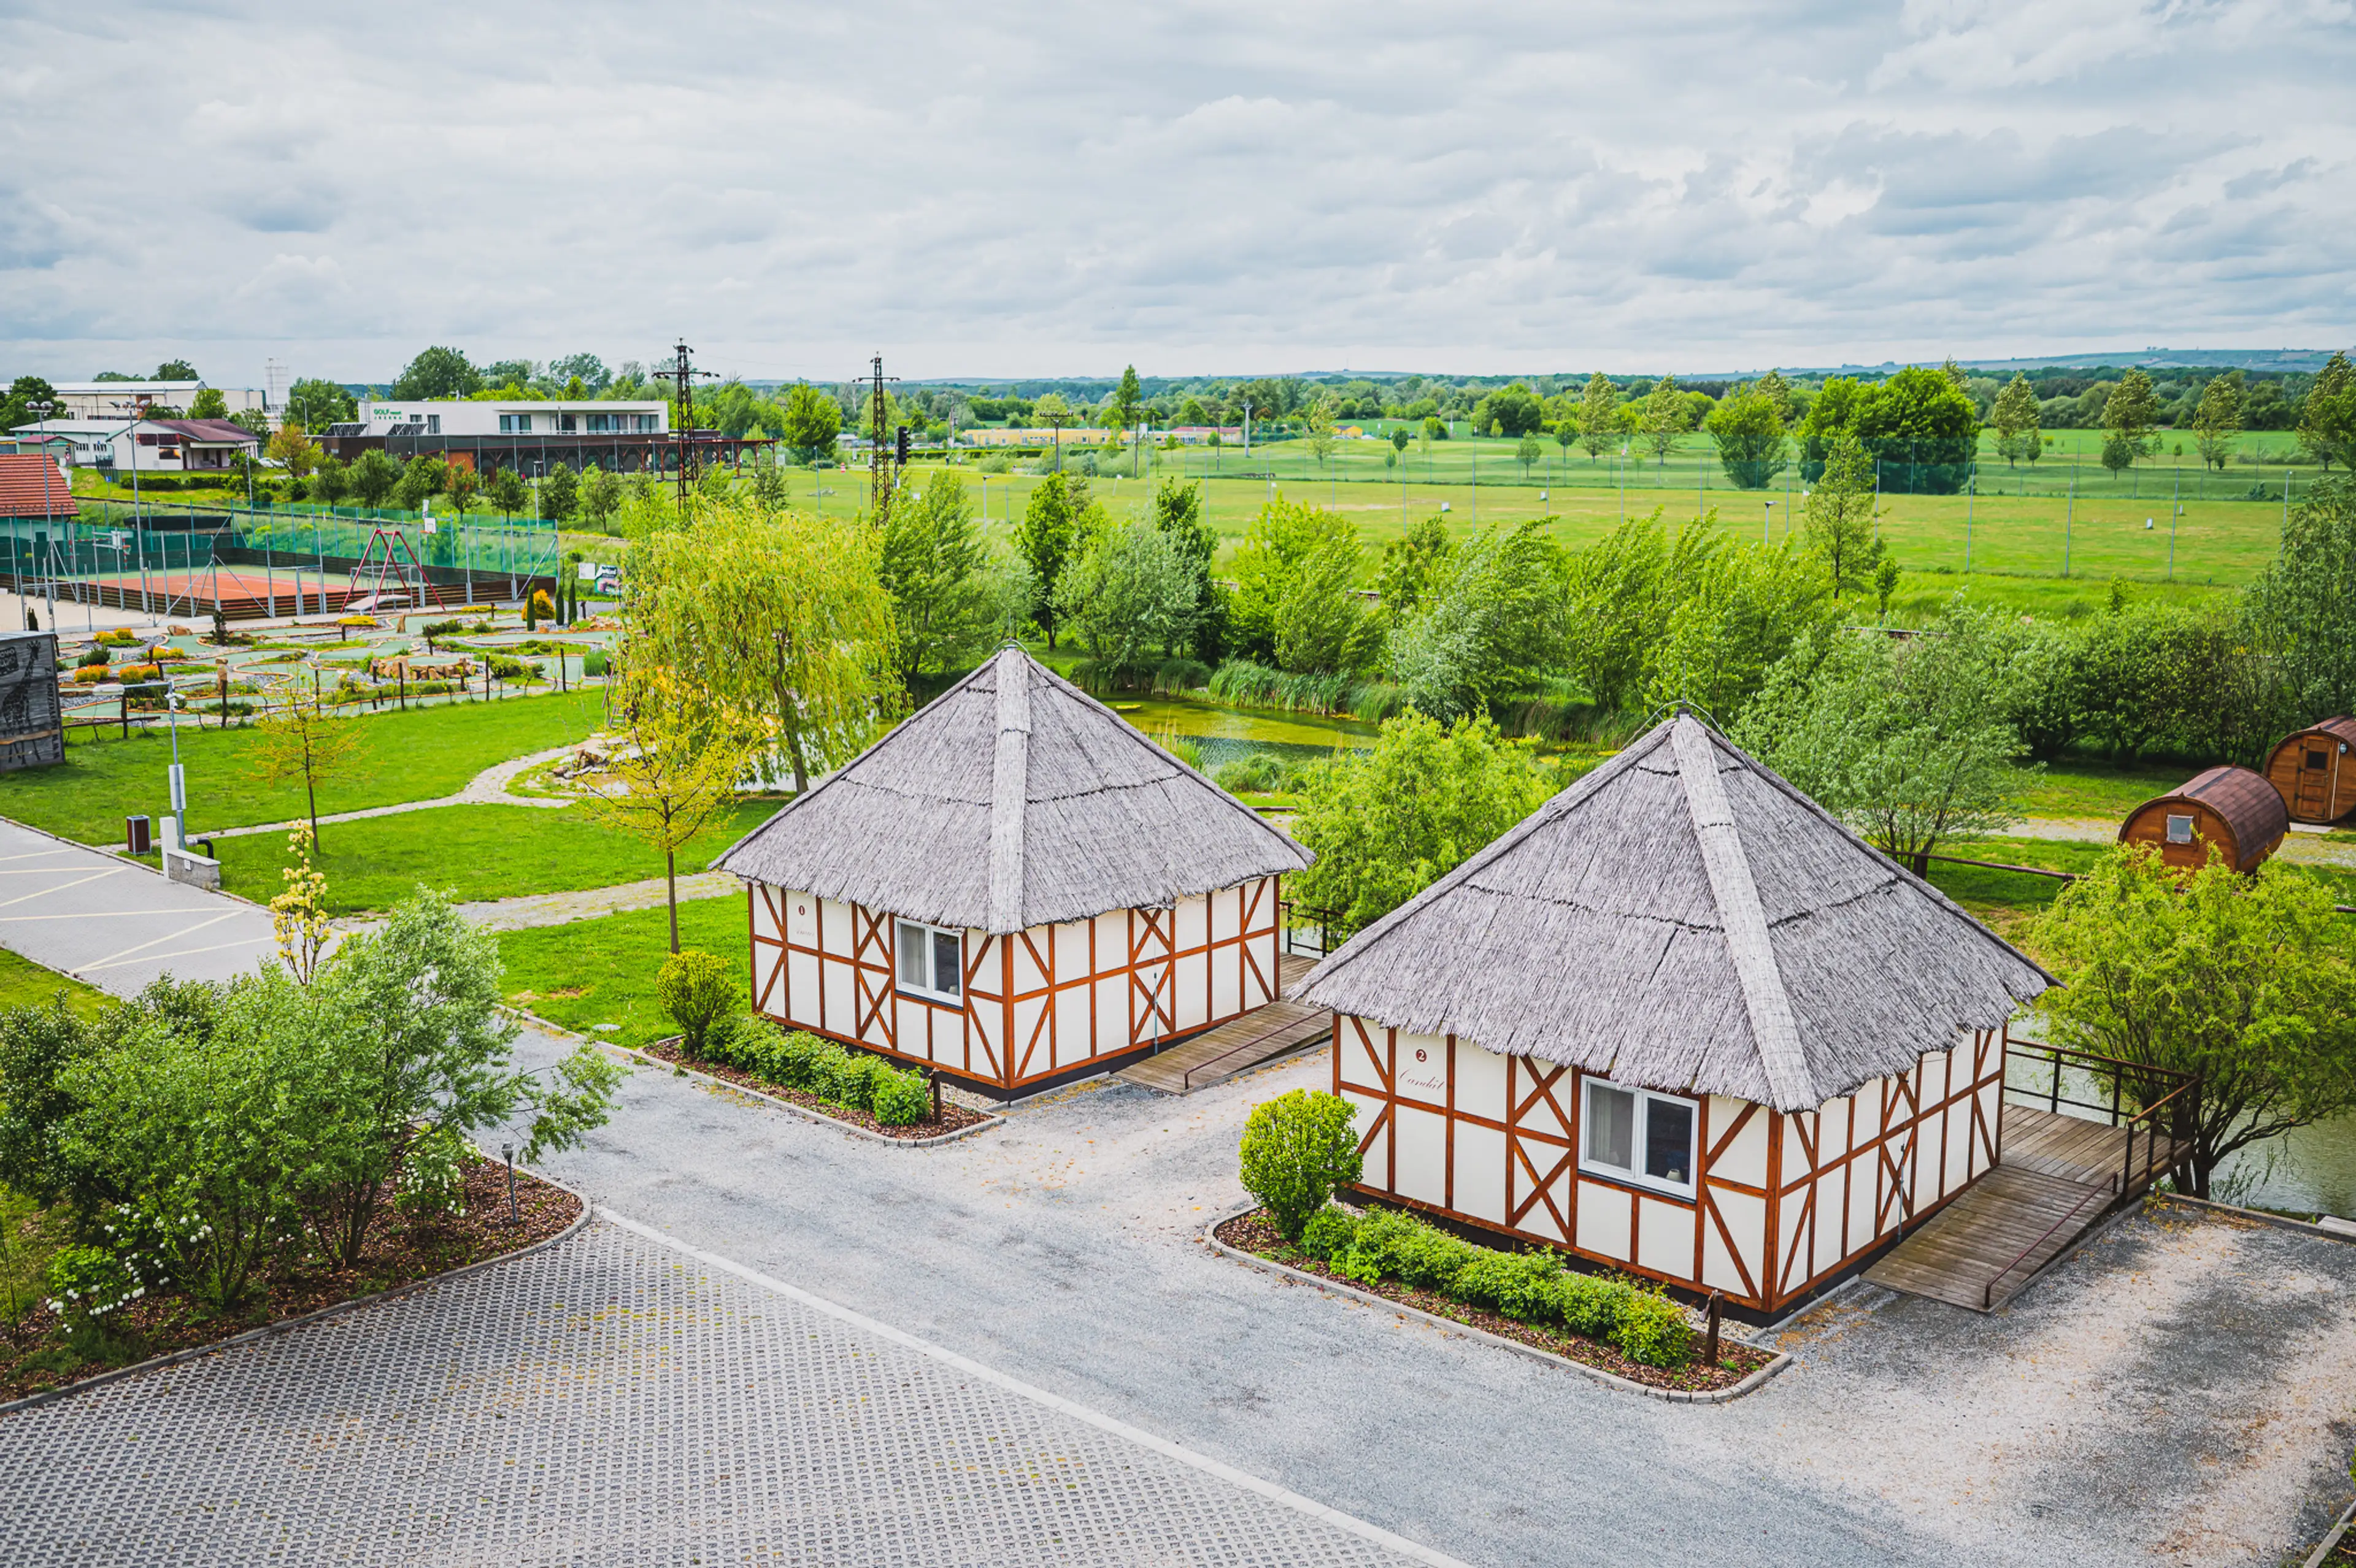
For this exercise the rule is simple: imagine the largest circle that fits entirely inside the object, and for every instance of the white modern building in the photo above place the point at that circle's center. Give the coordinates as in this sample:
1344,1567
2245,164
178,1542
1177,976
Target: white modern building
461,417
121,401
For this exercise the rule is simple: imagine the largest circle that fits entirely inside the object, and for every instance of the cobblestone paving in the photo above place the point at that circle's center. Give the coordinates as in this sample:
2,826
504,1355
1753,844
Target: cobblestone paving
607,1401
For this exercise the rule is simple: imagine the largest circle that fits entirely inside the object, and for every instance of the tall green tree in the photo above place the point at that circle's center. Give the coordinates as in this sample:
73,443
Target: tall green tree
1323,627
1906,741
2302,609
2326,418
437,373
1129,597
209,404
1275,547
778,622
559,492
508,493
2131,416
812,421
316,405
2217,419
1128,399
1386,822
934,568
1413,566
375,475
1178,512
421,477
1491,618
1838,518
1056,521
1749,430
1665,418
2243,980
2015,421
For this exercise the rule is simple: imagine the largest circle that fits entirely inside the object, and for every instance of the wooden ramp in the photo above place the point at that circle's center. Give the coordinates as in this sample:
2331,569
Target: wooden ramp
1218,1054
2057,1176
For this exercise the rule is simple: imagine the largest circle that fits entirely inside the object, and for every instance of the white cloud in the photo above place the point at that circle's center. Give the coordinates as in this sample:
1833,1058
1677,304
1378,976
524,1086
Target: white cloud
1216,186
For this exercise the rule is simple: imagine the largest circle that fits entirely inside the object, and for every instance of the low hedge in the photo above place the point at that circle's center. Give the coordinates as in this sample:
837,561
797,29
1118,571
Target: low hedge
894,1096
1534,1287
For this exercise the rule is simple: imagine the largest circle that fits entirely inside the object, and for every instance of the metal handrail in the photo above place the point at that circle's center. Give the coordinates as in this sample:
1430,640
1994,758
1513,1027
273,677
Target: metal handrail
2180,1103
1988,1292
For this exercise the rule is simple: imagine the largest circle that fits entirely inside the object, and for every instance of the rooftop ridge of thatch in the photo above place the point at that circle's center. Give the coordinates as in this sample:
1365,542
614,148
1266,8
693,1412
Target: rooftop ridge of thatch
1013,800
1687,920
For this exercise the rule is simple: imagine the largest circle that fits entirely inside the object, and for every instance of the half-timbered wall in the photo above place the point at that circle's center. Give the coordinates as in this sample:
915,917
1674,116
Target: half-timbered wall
1783,1200
1041,1002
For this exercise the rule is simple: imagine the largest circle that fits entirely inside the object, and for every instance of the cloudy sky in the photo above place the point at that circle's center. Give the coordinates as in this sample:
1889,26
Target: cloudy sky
1235,188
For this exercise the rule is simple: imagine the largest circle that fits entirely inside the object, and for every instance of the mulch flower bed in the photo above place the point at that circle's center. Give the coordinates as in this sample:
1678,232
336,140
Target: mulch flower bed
1253,1233
35,1356
954,1117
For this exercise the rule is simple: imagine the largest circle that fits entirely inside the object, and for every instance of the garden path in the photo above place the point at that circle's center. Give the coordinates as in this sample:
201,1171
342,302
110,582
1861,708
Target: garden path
488,787
2174,1390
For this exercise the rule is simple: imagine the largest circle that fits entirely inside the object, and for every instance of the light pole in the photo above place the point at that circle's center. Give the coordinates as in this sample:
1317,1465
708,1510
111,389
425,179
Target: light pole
1767,526
40,412
178,783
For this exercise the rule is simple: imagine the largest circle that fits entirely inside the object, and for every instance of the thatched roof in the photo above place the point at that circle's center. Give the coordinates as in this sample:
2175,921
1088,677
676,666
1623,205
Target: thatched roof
1012,800
1683,919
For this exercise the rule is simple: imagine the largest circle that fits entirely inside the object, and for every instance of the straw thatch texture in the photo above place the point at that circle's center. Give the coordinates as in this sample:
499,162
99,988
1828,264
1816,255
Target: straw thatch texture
1014,799
1683,919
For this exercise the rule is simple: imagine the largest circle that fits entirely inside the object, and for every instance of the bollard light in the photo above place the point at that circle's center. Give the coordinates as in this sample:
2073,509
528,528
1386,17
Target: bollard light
507,1152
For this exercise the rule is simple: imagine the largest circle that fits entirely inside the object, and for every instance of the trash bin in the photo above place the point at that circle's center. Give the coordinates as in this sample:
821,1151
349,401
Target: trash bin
136,835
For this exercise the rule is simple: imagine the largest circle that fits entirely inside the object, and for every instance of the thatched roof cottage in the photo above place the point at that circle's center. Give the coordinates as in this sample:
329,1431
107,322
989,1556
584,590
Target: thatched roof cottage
1680,1021
1014,886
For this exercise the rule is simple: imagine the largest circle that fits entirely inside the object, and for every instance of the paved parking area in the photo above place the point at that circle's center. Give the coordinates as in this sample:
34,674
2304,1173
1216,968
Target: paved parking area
113,921
611,1401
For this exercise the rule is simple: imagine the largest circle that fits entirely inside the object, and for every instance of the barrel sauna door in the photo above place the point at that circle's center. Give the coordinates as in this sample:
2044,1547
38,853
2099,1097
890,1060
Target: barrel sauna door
2314,801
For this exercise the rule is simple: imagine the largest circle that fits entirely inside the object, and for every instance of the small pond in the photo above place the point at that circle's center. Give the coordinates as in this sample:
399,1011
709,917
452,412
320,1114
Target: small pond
1227,734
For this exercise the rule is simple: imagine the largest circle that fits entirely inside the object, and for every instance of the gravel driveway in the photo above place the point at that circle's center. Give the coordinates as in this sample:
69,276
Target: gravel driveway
2179,1389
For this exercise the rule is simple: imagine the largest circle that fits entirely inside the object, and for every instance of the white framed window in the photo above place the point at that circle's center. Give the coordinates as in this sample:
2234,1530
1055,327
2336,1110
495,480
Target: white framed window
2179,830
1636,1135
932,962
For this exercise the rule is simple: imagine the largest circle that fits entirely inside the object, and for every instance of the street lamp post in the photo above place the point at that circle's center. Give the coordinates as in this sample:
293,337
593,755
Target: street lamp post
40,412
178,783
1767,526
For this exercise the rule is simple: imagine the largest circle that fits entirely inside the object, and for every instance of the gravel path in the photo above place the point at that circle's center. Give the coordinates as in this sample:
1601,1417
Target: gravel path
2177,1390
559,909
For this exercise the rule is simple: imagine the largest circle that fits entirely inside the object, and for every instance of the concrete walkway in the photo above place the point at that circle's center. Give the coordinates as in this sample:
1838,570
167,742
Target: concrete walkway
115,922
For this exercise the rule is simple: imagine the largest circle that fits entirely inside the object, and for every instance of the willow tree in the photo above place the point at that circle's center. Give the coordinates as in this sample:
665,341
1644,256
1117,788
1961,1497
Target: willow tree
780,620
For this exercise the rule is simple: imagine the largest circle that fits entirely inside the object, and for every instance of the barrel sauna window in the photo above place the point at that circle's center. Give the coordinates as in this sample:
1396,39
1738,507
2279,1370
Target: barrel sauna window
2179,830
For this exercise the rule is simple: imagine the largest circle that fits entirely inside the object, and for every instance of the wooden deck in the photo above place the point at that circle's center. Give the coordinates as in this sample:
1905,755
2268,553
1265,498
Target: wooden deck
2056,1177
1218,1054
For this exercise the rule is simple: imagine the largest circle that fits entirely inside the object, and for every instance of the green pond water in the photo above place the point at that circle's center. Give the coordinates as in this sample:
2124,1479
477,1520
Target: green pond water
1226,735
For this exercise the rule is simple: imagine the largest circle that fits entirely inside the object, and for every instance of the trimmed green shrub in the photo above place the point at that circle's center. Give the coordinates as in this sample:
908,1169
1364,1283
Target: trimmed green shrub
695,990
1652,1331
1328,1234
1519,1285
902,1099
1297,1149
1590,1306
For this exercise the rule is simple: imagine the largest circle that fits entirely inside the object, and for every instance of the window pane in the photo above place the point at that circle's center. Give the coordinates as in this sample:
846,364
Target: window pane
1668,1141
2179,830
1611,1122
947,970
912,954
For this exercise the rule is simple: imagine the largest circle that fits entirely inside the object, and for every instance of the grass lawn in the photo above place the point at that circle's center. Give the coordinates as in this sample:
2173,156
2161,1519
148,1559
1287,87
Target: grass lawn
25,983
472,852
2082,787
602,971
2008,900
416,755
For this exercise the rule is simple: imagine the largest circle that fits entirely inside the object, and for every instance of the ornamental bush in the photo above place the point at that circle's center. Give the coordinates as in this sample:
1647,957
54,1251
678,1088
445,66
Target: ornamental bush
1651,1329
1519,1285
695,990
1297,1149
1329,1234
902,1099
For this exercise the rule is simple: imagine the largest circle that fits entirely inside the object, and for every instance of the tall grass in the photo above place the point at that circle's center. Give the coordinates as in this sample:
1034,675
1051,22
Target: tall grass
1167,678
1243,684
